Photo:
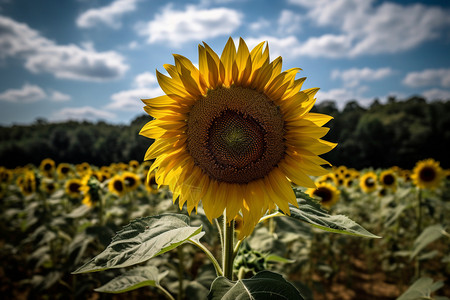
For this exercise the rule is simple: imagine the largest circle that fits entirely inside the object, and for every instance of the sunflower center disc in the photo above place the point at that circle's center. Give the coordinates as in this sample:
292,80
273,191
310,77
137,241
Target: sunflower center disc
324,193
388,179
235,134
427,174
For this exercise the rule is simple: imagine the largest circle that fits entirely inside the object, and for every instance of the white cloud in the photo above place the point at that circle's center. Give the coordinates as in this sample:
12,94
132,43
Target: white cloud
42,55
428,77
368,28
352,77
289,22
285,47
259,25
437,94
194,23
87,113
145,86
108,15
58,96
27,94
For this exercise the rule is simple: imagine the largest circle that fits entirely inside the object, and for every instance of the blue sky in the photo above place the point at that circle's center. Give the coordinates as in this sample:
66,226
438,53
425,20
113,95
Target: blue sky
94,60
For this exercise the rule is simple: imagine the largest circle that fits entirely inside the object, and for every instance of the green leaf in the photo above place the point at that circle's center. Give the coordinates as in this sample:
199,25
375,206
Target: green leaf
421,289
133,279
141,240
428,235
276,258
264,285
309,211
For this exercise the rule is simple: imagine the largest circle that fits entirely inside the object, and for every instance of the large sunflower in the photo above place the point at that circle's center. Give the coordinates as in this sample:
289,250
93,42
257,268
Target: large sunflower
427,174
234,133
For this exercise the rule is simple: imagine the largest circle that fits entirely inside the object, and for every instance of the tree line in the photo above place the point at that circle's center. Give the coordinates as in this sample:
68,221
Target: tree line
380,136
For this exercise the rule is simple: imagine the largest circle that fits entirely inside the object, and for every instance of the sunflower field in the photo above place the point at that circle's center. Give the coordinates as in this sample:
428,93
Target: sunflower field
57,217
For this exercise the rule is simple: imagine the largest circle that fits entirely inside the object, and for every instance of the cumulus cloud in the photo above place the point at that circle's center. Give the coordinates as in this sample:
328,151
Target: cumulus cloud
352,77
368,28
27,94
437,94
42,55
58,96
289,22
194,23
87,113
428,77
108,15
145,86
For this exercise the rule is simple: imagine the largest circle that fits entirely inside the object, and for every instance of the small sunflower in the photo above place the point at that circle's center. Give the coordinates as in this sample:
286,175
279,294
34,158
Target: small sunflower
63,170
327,194
368,182
48,186
235,133
150,183
47,167
134,164
388,179
28,183
427,174
83,168
117,185
72,187
131,180
5,175
90,188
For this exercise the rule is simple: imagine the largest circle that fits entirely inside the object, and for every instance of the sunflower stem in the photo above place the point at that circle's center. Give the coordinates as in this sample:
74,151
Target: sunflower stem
211,257
228,247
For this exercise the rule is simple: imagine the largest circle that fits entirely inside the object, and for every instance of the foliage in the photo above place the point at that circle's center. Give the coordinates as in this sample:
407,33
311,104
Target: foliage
396,133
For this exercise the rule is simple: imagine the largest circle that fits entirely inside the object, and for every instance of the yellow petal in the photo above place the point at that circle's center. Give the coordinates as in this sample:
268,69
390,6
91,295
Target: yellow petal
292,170
228,56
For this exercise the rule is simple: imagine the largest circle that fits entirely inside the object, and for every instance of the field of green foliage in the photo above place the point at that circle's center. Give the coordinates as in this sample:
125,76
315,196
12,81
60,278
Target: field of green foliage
57,217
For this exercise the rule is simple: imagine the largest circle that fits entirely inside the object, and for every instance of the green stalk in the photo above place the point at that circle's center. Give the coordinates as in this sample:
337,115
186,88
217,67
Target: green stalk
166,293
211,257
228,247
180,272
419,229
419,212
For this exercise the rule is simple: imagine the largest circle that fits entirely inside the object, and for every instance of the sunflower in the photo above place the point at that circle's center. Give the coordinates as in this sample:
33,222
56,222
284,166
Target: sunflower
47,167
5,175
90,188
63,170
48,186
388,179
28,183
150,183
427,174
83,168
131,180
234,133
133,164
368,182
327,193
72,187
117,185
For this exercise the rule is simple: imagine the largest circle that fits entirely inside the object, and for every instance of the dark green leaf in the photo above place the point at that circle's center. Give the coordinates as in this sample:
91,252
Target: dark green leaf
428,235
421,289
133,279
264,285
141,240
309,211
